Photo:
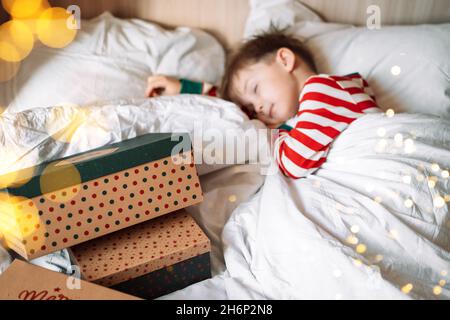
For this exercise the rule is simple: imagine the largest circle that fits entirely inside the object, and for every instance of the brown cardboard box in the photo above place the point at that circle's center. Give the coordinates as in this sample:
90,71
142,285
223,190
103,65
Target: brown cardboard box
79,198
150,259
24,281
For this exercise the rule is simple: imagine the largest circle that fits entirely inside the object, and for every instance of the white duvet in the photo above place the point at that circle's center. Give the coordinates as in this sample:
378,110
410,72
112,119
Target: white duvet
372,221
369,225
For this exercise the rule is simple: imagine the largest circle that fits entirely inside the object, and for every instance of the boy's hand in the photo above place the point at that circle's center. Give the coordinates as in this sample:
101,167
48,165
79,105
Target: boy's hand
162,86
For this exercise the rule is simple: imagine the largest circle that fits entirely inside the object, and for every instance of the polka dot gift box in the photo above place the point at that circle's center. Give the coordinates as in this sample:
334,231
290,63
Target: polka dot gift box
148,260
61,203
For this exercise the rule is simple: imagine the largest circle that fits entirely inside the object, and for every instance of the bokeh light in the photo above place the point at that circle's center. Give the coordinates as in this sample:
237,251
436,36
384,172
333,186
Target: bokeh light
22,8
435,167
352,239
16,41
407,288
52,28
409,146
432,181
60,181
439,202
396,70
398,138
232,198
381,132
437,290
31,21
408,203
65,132
13,178
381,145
406,179
361,248
390,113
357,262
20,220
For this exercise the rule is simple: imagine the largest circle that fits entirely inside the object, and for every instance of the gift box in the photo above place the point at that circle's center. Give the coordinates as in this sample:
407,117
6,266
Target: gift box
61,203
24,281
150,259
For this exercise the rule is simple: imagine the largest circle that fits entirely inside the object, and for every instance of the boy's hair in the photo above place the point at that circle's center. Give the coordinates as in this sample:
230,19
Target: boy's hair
258,48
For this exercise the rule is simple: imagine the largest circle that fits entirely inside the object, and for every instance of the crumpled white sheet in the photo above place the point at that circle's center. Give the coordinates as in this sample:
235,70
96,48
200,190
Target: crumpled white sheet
296,238
32,136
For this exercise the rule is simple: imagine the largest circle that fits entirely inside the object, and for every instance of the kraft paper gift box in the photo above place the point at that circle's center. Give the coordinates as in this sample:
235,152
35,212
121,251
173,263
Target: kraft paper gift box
62,203
150,259
24,281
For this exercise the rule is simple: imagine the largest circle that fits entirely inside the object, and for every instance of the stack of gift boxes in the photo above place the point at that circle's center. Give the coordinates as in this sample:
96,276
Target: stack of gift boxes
119,209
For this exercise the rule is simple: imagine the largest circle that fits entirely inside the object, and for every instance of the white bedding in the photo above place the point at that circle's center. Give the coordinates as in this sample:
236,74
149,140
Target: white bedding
291,241
384,187
283,238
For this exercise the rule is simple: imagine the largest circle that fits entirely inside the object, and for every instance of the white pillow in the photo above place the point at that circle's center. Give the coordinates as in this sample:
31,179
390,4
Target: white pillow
111,59
408,67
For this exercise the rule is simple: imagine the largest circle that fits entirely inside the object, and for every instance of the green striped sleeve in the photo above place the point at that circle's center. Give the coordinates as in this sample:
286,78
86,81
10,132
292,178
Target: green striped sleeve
188,86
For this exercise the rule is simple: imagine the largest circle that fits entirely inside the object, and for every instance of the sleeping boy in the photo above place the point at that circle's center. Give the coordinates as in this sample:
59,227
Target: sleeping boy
273,78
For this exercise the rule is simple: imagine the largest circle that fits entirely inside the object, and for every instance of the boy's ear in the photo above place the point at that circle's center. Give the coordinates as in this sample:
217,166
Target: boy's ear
286,58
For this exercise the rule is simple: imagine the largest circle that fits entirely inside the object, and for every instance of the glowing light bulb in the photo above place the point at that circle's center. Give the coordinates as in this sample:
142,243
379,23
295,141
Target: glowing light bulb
16,41
437,290
408,203
439,202
361,248
396,70
407,288
390,113
52,28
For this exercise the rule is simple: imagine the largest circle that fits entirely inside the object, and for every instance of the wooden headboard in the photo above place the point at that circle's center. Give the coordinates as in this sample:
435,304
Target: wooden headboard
225,19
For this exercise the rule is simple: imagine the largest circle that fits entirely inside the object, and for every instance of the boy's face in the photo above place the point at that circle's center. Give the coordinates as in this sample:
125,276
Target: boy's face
270,89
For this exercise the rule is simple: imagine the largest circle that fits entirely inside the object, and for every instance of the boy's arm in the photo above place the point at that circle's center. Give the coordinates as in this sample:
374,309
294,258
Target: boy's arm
160,85
297,154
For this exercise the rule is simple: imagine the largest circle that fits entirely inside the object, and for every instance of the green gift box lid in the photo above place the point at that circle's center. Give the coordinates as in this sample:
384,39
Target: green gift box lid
97,163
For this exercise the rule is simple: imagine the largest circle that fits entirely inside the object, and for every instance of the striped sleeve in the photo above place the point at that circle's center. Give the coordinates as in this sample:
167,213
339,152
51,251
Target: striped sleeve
327,106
